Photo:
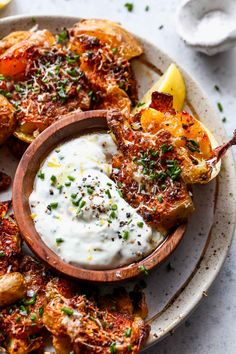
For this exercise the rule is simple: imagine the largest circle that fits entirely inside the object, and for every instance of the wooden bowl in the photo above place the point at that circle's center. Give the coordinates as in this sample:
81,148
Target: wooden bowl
71,125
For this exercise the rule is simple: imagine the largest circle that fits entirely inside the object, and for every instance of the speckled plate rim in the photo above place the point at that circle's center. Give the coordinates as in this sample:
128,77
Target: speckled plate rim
220,237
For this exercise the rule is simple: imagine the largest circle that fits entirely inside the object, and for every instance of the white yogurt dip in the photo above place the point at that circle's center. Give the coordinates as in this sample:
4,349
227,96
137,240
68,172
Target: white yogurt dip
79,211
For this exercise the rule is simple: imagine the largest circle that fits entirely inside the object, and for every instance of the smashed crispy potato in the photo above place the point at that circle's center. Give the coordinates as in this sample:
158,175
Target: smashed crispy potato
12,288
112,33
13,38
7,119
10,245
116,98
14,60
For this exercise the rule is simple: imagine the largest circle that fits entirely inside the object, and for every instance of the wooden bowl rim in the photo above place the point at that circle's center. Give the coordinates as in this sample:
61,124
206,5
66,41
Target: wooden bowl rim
34,155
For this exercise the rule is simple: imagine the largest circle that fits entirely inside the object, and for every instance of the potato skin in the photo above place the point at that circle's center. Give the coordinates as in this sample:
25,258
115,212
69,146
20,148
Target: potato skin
13,38
12,288
7,119
112,33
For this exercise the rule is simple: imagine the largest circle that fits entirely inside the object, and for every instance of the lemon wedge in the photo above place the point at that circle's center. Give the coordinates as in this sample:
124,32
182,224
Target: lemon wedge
170,82
4,3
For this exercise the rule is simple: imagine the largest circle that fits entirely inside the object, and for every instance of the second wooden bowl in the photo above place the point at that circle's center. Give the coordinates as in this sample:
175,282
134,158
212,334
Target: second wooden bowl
72,125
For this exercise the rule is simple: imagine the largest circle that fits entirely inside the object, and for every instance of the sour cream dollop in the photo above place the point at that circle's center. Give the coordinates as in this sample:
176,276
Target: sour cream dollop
80,213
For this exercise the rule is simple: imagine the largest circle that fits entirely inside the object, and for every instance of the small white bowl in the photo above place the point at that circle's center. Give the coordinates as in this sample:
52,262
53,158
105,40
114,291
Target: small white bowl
208,26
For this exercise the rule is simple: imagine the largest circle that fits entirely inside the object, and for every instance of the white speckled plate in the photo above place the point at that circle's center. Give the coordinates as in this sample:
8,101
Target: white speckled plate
176,286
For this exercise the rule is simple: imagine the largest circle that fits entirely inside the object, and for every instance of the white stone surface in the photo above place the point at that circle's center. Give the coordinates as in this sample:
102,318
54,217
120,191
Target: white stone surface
212,327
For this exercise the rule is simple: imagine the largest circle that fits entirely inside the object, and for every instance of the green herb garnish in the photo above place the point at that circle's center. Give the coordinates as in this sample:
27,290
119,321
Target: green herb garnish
59,241
52,205
71,178
129,6
41,175
143,269
33,317
113,348
53,180
108,193
128,332
63,36
125,235
165,148
173,170
41,311
68,311
220,107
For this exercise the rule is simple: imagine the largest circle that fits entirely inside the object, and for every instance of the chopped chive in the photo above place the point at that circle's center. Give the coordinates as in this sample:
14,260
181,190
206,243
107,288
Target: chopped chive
68,184
114,50
59,241
129,6
129,348
90,190
125,235
67,311
109,184
53,180
220,107
30,301
140,224
41,311
60,188
18,319
110,325
33,317
160,199
82,204
128,332
23,310
104,324
2,254
41,175
63,36
113,214
113,349
217,88
52,206
74,195
143,269
224,119
165,148
71,178
114,207
108,193
140,104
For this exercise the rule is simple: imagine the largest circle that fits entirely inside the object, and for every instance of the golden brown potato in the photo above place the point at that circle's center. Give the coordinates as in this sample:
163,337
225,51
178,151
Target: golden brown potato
62,344
115,98
14,60
12,288
112,33
7,119
13,38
